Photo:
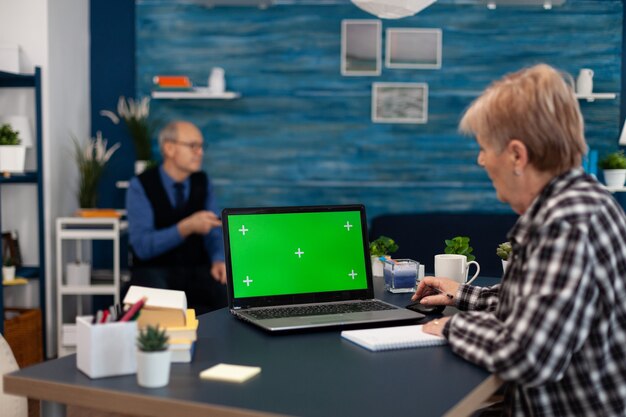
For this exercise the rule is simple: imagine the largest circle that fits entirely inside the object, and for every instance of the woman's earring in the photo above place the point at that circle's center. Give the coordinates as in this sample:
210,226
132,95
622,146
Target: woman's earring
517,172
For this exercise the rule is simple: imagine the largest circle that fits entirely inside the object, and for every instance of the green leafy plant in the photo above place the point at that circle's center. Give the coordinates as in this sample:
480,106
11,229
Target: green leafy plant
615,160
460,245
8,136
152,339
7,261
383,246
504,250
91,159
135,114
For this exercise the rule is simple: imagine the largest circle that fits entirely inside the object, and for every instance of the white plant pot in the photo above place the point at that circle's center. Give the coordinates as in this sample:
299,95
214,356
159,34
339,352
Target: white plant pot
140,166
505,264
377,267
8,273
78,273
153,368
12,158
615,177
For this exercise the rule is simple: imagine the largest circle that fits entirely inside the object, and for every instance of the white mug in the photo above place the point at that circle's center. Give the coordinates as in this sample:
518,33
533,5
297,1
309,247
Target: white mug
584,82
455,267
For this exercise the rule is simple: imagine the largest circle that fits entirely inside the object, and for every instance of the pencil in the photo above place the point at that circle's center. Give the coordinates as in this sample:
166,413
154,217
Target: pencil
439,291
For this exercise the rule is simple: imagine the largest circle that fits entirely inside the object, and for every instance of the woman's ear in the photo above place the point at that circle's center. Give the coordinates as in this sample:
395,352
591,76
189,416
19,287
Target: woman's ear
519,153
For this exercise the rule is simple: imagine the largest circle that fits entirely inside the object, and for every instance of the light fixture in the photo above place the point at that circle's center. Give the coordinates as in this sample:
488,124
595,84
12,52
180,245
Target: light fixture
547,5
393,9
491,5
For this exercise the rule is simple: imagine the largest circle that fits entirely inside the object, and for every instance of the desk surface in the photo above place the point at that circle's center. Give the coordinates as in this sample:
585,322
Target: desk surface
305,374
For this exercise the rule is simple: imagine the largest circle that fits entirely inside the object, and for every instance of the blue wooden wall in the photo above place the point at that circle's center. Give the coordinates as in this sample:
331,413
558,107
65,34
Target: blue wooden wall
301,133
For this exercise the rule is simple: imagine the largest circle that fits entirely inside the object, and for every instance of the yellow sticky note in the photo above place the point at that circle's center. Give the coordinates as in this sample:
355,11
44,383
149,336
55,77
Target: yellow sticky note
230,373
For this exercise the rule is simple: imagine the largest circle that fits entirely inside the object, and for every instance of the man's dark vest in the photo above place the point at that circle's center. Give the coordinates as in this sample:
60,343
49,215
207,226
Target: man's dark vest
192,251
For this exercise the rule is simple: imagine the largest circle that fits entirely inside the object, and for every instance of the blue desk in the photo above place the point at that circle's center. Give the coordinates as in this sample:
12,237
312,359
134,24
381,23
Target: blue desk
303,374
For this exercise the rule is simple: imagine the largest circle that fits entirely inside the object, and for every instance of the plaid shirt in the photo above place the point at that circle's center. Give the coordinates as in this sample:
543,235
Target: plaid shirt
555,328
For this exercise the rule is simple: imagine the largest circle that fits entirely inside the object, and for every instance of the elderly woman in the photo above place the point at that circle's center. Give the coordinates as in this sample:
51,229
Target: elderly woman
555,328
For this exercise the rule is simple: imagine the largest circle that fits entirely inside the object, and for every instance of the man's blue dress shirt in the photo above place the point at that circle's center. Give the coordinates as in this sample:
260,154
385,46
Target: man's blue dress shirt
148,242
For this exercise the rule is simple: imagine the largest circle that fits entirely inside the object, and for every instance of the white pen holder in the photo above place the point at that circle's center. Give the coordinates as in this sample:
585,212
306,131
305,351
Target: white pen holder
106,349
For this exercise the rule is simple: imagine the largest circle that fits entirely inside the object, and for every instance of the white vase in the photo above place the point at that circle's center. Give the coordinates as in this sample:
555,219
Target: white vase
153,368
12,158
615,177
377,267
78,273
505,264
8,273
584,82
140,166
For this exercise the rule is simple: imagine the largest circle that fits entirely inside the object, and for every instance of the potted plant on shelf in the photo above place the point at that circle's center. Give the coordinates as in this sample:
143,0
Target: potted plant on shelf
382,246
459,245
91,159
504,252
12,154
135,114
614,168
153,358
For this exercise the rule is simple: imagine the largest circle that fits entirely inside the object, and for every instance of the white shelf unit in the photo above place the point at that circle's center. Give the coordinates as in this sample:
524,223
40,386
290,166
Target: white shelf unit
197,93
596,96
84,231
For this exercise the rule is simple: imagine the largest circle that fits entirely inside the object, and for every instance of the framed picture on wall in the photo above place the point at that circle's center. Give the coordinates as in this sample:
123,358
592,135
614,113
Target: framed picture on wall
361,47
413,48
400,102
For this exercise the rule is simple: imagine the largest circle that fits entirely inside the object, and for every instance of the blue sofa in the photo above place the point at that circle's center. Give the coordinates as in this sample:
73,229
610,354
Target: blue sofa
421,236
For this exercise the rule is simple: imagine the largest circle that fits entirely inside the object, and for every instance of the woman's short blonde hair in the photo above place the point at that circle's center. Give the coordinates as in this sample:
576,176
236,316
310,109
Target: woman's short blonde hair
537,106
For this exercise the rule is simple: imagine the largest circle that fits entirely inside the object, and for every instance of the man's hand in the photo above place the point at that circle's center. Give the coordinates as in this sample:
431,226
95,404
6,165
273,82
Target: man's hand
218,271
201,222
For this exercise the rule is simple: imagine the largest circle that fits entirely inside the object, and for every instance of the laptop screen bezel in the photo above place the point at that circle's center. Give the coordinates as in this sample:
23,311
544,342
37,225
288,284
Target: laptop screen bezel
287,299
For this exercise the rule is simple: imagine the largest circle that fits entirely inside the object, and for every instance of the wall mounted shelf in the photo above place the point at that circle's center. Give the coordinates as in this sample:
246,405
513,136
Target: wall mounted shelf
198,93
596,96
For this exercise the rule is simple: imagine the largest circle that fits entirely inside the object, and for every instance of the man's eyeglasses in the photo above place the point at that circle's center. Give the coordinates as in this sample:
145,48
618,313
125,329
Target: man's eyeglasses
194,146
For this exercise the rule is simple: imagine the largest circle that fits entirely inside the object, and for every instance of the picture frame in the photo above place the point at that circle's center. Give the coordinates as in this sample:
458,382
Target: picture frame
11,248
400,103
413,48
361,50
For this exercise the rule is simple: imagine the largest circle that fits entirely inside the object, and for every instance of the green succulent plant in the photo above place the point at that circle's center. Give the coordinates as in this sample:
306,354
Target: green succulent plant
8,136
152,339
383,246
504,250
615,160
459,245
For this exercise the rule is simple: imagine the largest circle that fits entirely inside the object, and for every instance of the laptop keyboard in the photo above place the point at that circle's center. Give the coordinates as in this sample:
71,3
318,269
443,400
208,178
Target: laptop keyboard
319,309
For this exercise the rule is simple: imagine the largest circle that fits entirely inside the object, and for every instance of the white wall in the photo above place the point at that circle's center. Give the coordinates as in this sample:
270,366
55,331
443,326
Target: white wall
53,34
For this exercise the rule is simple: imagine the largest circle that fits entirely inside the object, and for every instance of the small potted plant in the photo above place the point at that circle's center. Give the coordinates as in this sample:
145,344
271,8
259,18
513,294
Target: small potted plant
12,154
504,252
614,168
459,245
8,269
153,357
382,246
91,159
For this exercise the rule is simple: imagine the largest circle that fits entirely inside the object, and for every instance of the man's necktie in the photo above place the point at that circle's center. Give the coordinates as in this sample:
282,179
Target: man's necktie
179,196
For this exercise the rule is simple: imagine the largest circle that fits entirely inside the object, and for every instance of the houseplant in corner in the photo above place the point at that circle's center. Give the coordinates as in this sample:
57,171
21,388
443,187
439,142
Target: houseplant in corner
135,115
382,246
504,251
614,167
91,158
12,154
153,358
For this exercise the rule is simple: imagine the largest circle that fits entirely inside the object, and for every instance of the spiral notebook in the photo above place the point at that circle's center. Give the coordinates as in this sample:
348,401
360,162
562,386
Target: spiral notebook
388,338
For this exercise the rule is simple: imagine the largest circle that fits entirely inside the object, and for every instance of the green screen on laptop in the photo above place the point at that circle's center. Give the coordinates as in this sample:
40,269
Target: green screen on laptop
295,253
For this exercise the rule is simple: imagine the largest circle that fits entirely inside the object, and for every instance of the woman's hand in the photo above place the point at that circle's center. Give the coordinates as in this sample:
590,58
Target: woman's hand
436,291
435,326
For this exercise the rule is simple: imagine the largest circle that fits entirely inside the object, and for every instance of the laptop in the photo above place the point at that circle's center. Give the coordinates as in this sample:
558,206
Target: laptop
294,268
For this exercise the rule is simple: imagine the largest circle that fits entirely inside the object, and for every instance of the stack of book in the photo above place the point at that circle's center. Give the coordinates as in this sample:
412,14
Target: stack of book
172,82
168,309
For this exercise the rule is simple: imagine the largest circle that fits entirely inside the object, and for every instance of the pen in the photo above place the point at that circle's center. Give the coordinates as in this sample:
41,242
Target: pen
134,309
105,314
437,290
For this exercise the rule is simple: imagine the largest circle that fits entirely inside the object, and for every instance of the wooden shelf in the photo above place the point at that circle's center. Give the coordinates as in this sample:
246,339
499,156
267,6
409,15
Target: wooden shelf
197,93
596,96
